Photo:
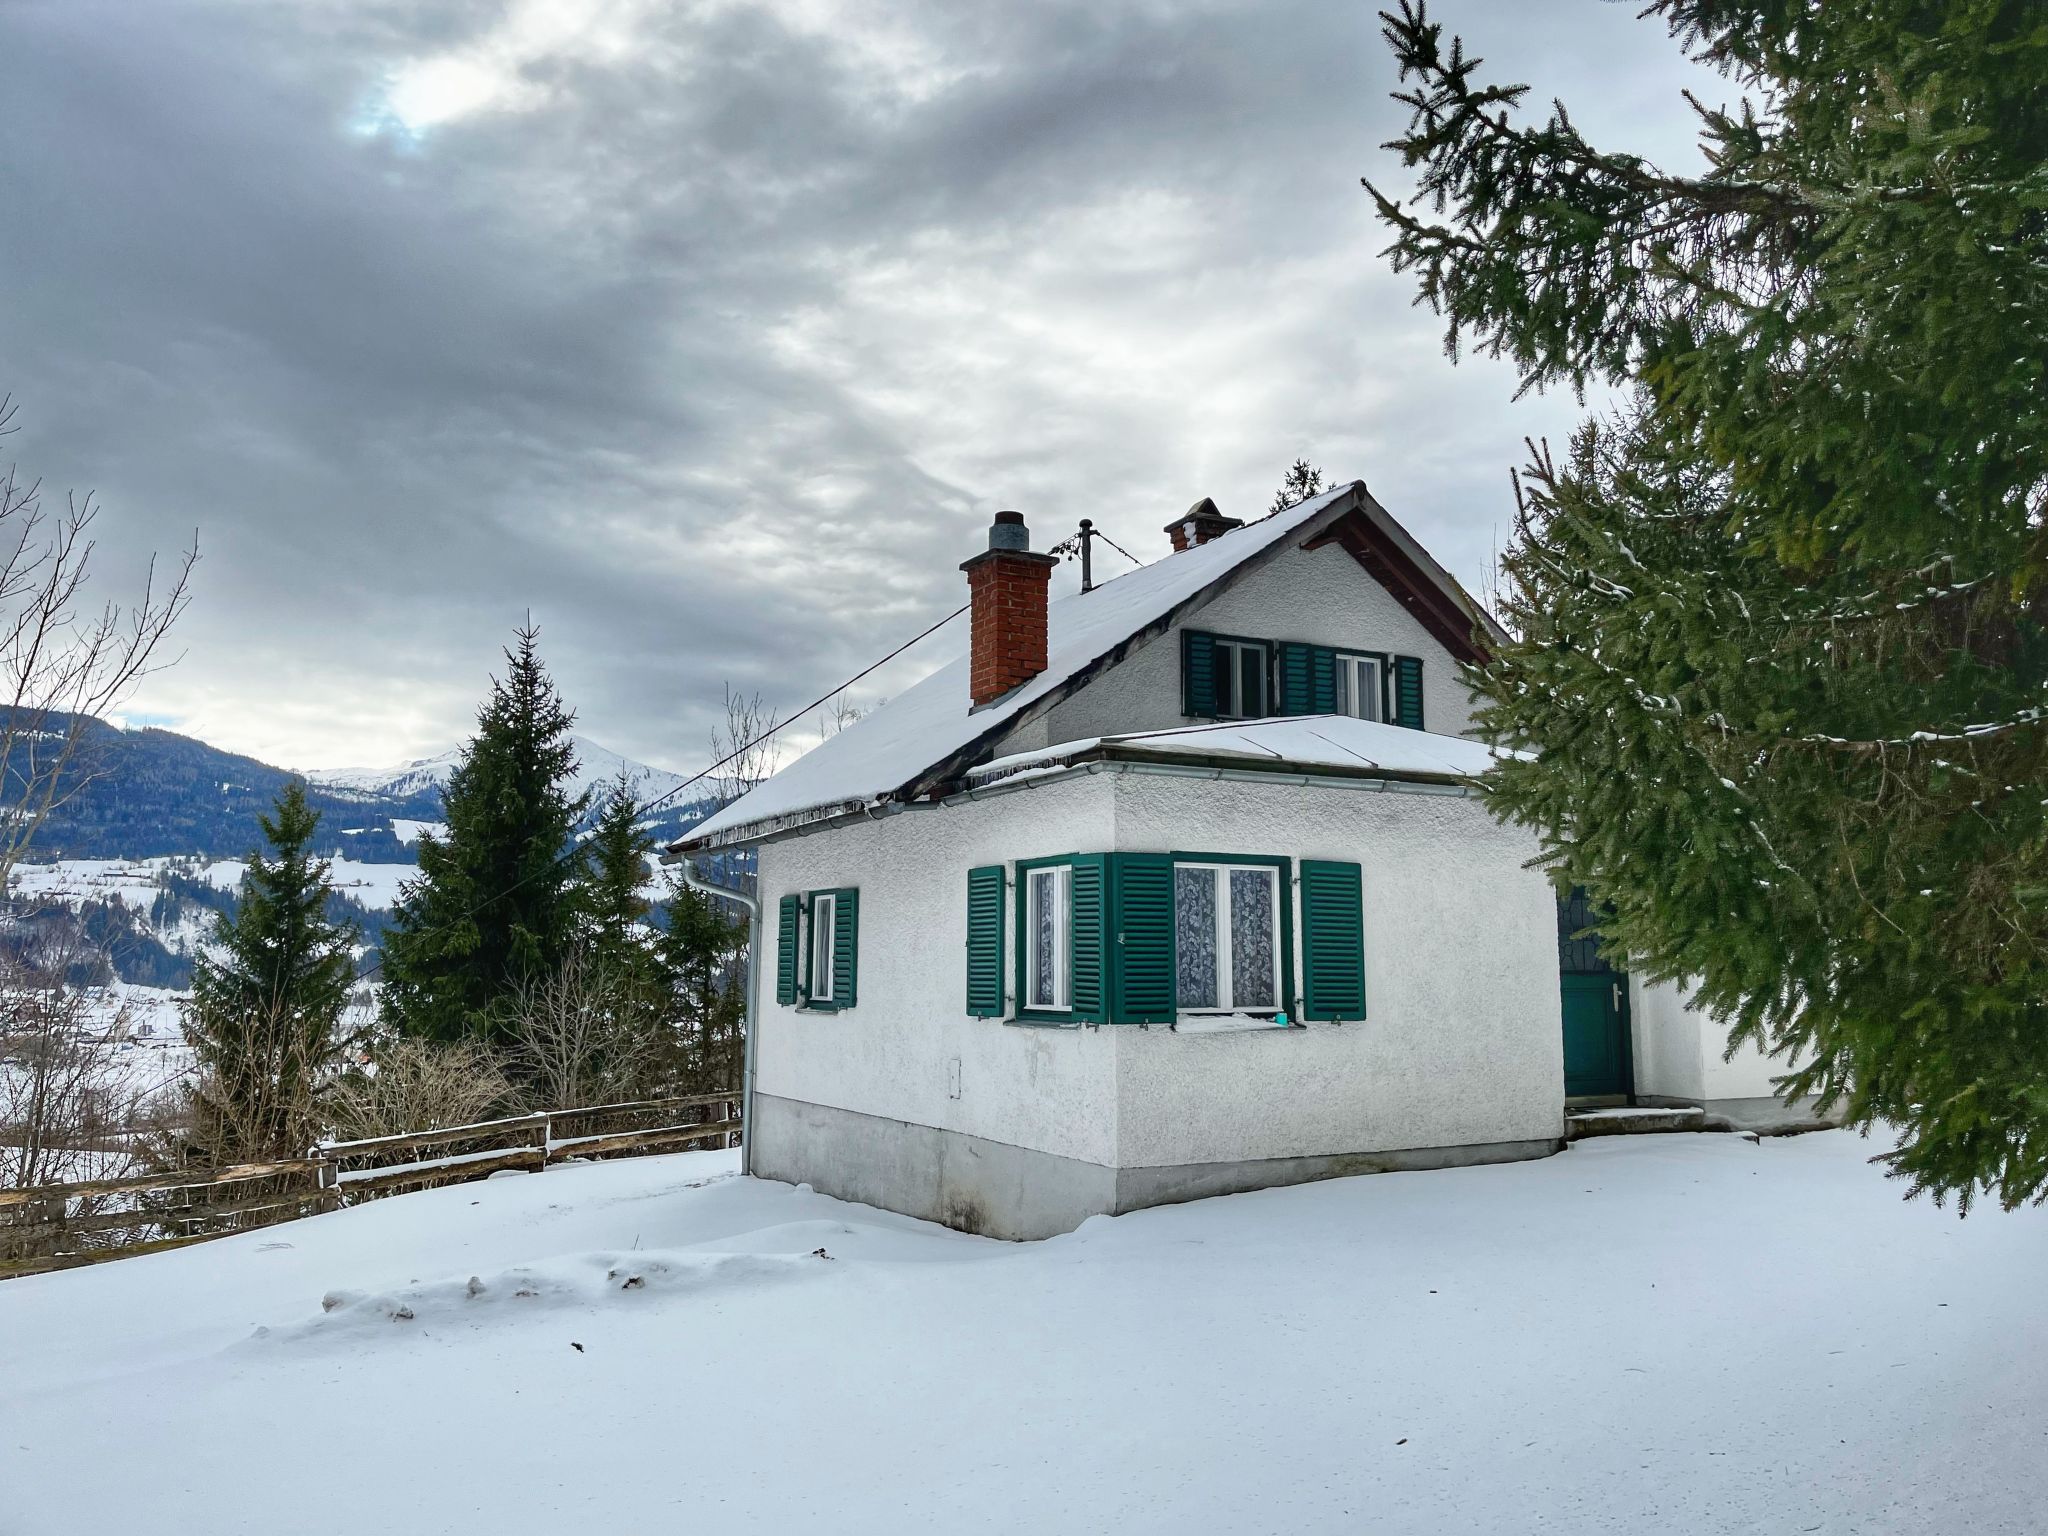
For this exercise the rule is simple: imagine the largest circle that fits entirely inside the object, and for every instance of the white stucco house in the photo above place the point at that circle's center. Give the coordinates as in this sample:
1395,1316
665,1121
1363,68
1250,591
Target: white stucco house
1175,887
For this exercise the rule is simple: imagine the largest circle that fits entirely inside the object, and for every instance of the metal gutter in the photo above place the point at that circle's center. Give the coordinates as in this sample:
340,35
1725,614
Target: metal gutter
753,1000
1194,768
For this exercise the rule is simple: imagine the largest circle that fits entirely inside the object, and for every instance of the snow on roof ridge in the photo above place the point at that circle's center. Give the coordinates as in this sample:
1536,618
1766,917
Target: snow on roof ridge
1346,742
933,720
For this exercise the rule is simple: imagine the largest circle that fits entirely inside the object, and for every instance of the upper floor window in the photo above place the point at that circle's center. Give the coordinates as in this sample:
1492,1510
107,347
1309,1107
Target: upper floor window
1224,677
1228,677
1241,668
1358,686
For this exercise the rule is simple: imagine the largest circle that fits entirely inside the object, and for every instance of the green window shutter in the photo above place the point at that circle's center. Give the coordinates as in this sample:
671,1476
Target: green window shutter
1088,938
1296,667
787,938
845,947
1197,674
985,942
1322,680
1333,939
1408,691
1141,981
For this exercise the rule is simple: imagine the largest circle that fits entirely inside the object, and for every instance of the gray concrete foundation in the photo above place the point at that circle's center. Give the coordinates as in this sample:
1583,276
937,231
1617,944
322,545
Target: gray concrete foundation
1013,1192
957,1180
1769,1116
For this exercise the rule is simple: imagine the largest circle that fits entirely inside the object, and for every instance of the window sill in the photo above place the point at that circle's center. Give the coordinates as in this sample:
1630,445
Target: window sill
1044,1021
1227,1024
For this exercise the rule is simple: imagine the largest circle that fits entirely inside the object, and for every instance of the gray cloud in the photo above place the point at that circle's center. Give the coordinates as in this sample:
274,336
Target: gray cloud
710,332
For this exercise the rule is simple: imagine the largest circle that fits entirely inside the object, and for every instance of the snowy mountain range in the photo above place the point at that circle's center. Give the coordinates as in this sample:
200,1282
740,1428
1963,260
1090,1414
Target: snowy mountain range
597,767
156,794
149,847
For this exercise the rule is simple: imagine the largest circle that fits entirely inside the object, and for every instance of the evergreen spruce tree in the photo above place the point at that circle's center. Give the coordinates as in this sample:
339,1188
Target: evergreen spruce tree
1782,618
265,1018
497,901
615,906
702,952
1302,481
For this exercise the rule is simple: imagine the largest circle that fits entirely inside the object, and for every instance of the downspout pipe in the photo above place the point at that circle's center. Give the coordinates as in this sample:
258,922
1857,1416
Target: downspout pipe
697,883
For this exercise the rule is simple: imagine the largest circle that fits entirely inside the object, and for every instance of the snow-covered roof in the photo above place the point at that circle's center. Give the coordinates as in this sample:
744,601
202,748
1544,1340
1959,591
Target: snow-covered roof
896,749
1316,743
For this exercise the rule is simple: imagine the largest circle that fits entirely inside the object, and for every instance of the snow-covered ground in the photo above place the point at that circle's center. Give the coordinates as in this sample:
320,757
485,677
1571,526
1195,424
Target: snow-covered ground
1689,1333
133,882
374,885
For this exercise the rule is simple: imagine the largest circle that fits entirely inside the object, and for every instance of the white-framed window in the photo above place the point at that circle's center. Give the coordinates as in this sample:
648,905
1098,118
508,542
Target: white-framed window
1227,938
1242,667
1358,686
824,925
1048,927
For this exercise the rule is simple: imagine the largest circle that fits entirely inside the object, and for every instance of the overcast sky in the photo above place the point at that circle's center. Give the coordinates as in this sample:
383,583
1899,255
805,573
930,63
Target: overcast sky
712,333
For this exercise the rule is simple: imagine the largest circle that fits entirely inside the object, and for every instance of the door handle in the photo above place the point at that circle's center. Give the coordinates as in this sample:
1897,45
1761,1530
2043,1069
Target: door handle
1617,997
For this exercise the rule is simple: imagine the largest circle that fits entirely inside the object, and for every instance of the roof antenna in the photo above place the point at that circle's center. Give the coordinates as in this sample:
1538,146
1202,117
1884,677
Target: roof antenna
1087,554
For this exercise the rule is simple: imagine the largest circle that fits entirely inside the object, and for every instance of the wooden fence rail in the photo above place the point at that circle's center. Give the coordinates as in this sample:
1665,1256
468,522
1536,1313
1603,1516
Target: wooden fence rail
63,1226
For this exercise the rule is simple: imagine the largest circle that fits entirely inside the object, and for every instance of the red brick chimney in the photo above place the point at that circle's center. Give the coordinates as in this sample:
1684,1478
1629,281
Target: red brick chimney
1199,524
1008,586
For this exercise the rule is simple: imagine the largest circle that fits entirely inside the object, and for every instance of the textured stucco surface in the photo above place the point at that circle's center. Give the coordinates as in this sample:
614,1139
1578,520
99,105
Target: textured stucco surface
1463,1039
892,1053
1462,1045
1745,1075
1679,1047
1321,596
1665,1036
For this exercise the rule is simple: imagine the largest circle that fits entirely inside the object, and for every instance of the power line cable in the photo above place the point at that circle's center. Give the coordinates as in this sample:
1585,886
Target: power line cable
659,800
1112,543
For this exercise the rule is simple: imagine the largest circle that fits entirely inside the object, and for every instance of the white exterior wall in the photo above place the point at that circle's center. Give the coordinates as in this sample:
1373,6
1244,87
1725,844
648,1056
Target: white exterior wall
1463,1039
891,1054
1665,1037
1679,1047
1462,1045
1321,596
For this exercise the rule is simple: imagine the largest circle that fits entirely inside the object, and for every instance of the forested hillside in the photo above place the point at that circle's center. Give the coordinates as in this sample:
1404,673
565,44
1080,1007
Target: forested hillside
142,794
150,793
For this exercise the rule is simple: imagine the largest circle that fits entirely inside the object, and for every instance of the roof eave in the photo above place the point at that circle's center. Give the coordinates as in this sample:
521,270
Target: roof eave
750,832
1118,752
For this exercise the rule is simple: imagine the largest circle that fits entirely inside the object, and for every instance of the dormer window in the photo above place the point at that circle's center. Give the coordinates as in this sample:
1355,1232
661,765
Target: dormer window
1225,677
1241,670
1234,677
1358,687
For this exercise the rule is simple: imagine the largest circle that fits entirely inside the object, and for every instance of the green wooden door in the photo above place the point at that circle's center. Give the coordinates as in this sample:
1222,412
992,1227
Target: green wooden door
1595,1034
1596,1045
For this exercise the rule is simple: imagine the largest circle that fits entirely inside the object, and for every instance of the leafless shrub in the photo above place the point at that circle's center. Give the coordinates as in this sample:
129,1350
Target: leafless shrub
269,1104
583,1036
63,1114
419,1085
